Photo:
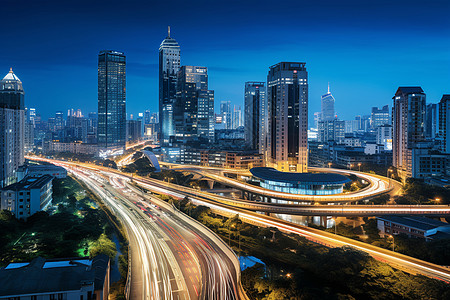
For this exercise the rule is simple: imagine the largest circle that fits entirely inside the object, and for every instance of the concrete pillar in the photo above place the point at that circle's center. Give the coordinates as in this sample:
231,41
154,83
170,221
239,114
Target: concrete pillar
211,184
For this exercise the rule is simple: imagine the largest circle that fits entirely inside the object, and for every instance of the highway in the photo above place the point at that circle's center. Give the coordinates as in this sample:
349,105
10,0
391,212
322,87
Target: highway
377,185
171,257
395,259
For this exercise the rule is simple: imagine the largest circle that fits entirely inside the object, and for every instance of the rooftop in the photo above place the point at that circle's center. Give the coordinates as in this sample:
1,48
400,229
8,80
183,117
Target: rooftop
11,76
409,90
52,275
290,177
29,183
421,223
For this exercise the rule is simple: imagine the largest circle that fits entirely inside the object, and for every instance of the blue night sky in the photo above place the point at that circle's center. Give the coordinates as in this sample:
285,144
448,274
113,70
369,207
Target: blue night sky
365,49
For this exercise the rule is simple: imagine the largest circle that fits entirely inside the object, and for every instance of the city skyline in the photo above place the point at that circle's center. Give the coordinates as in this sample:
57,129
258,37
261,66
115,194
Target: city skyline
232,61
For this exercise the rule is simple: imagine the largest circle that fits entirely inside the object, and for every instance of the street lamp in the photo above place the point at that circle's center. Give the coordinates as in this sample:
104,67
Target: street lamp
393,242
351,166
437,200
329,165
359,167
389,171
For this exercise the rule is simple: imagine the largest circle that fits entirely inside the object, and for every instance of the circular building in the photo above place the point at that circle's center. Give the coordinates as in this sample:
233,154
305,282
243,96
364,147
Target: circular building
300,183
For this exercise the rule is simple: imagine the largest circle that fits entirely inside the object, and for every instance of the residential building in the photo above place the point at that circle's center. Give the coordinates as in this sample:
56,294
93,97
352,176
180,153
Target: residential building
384,136
12,127
237,117
61,278
408,118
111,101
327,102
41,170
169,65
255,119
287,99
444,123
28,196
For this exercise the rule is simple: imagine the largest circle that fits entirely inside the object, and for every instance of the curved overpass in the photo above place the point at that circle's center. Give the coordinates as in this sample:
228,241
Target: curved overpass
378,185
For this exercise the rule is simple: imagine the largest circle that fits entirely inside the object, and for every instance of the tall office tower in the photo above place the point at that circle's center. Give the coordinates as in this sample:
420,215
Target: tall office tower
147,116
134,130
225,111
237,117
380,117
194,107
255,116
408,117
444,123
59,121
431,120
111,100
12,126
328,113
287,103
169,65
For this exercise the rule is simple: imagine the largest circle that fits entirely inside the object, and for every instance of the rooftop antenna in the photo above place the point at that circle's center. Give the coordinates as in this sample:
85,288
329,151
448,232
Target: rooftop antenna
10,70
168,31
328,87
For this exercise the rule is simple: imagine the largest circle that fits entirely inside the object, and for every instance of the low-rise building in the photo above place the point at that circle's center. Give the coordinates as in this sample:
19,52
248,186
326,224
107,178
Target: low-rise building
41,170
77,148
58,279
412,226
28,196
223,159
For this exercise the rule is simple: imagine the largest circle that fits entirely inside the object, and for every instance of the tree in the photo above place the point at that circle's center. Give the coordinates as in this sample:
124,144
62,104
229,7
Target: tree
103,246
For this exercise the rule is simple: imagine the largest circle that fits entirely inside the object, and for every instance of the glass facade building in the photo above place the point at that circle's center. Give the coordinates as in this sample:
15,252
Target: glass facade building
328,113
287,107
300,183
111,101
12,127
169,65
255,116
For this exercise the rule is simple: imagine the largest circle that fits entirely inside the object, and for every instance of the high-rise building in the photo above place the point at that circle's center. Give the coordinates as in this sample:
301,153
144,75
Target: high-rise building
194,108
134,130
28,131
431,121
59,121
317,119
111,100
328,113
380,117
331,131
408,118
255,119
169,65
384,136
287,103
444,123
237,117
12,127
225,111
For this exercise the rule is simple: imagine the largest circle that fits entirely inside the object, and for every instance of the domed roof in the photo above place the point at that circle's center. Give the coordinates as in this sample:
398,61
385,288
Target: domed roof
11,76
11,82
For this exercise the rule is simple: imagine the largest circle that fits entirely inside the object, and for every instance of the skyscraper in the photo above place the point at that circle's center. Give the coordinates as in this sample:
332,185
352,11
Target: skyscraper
12,126
169,64
225,111
431,120
111,100
408,117
327,102
444,123
255,116
237,117
194,107
287,103
380,117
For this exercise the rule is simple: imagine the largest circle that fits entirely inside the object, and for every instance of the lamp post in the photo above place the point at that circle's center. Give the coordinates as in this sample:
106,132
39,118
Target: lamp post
329,165
393,242
359,167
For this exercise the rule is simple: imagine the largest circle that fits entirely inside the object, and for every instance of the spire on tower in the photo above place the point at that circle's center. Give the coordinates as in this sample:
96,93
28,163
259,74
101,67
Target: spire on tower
10,70
168,31
328,87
